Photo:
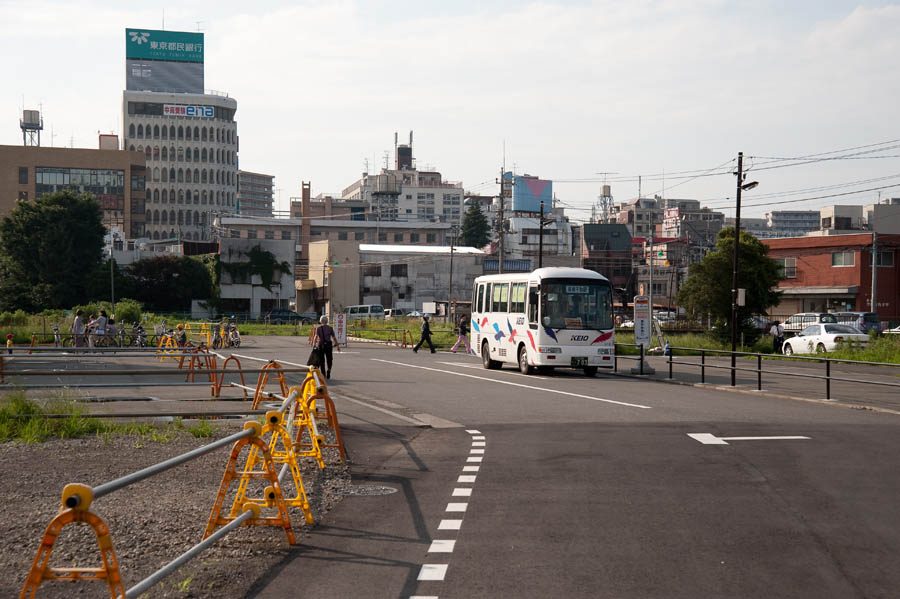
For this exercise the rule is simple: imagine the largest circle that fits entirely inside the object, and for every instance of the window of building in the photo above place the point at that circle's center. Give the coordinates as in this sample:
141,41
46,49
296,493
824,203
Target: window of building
23,195
140,132
430,238
23,175
885,258
382,237
398,270
414,238
371,270
235,233
285,234
359,236
251,234
270,234
843,259
398,237
788,267
342,236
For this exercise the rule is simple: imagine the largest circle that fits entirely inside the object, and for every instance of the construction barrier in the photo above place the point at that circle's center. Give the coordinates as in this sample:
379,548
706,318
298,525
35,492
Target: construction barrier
77,500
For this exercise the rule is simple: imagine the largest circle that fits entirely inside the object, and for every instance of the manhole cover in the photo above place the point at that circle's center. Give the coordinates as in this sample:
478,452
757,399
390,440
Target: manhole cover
369,490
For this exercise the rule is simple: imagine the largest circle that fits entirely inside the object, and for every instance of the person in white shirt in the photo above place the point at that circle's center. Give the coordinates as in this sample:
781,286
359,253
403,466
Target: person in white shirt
777,332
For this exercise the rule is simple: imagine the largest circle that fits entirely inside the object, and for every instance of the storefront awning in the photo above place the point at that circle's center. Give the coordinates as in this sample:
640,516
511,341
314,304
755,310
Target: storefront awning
850,291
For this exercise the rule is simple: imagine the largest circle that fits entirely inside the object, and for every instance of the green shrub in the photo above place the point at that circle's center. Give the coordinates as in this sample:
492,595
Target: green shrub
128,310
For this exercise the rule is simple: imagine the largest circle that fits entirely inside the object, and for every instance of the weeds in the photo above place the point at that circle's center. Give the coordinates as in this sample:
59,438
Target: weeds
27,421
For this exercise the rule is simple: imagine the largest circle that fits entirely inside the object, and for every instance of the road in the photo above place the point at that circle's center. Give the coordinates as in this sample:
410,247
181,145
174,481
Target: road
594,488
477,483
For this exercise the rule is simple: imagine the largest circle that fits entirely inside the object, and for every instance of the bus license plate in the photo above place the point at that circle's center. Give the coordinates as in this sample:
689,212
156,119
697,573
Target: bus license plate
580,361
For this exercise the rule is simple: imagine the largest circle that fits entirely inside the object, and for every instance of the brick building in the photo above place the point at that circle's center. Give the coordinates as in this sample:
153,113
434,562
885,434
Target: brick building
832,273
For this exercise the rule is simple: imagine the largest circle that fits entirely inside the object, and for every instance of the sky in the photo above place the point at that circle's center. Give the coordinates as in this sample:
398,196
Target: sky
666,93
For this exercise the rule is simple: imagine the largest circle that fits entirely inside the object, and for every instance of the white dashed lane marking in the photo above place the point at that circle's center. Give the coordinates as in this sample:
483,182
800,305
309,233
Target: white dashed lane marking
437,572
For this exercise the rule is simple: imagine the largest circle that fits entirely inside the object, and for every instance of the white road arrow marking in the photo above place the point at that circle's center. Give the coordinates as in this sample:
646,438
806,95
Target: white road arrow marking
710,439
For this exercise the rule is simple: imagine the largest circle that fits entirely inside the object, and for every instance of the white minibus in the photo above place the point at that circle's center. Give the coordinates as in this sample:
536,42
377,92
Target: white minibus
551,317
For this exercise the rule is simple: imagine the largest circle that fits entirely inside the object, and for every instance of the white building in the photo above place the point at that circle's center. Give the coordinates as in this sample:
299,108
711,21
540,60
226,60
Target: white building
191,145
405,193
406,276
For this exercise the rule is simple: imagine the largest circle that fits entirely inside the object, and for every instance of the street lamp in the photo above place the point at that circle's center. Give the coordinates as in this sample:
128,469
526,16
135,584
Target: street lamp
453,231
741,186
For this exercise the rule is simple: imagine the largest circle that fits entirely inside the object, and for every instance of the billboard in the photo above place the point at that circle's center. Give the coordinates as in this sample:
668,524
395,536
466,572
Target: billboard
163,61
162,76
528,192
170,46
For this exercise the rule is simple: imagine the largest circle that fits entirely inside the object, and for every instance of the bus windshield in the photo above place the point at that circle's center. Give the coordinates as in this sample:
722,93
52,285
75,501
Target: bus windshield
576,304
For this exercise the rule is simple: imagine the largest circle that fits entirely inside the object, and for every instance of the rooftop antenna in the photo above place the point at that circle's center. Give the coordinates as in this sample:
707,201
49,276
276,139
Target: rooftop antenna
198,24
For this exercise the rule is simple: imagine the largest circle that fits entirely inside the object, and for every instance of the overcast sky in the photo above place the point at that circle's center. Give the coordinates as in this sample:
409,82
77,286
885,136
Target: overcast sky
570,89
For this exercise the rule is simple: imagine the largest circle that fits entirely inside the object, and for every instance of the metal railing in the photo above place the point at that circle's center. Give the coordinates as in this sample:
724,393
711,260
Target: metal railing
757,369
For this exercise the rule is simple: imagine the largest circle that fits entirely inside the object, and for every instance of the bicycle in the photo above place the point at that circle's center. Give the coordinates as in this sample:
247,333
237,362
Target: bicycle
58,339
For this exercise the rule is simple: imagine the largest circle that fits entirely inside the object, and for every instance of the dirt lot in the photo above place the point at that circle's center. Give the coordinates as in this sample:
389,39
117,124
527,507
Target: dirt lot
151,522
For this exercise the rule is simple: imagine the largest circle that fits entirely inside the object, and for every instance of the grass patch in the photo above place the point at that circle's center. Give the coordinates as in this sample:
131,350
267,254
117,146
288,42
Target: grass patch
26,421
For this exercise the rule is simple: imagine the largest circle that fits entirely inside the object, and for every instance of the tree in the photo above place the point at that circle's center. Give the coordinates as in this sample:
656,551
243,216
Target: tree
476,232
708,287
169,283
47,247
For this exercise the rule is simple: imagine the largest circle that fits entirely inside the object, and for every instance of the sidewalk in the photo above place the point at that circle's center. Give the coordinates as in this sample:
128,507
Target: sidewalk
787,378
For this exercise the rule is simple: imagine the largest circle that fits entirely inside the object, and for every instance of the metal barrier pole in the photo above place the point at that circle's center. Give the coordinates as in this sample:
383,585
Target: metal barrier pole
670,363
702,366
146,584
759,372
140,475
615,359
642,358
827,378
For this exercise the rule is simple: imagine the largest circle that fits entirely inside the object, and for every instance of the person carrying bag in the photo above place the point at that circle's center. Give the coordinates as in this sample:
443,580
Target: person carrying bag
324,337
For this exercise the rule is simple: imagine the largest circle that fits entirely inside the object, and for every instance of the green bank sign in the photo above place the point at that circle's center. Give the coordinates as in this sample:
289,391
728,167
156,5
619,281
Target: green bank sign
150,44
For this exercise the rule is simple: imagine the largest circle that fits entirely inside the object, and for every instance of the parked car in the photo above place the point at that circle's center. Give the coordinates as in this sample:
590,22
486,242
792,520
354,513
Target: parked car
864,321
894,331
821,338
288,317
393,312
364,311
761,322
415,314
799,322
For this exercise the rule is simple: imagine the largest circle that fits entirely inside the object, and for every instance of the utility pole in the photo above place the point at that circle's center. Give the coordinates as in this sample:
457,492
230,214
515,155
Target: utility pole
541,238
734,266
874,307
450,291
500,231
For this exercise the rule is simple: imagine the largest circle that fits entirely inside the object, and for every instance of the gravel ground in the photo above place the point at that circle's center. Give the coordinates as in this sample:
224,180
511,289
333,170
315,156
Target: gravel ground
151,522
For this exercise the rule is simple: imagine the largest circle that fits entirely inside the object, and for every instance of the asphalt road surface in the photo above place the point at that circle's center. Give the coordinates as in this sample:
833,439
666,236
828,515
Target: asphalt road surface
477,483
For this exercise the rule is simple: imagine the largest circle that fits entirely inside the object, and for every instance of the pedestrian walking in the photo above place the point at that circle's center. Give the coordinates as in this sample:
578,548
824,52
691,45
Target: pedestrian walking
462,329
777,332
324,337
426,336
78,329
9,342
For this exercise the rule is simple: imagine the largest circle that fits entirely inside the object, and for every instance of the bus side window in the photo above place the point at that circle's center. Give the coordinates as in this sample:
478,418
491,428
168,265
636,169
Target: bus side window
533,307
487,297
481,298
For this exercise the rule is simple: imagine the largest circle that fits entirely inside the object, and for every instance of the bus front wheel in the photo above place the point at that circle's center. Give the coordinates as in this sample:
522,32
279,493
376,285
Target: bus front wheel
486,358
524,366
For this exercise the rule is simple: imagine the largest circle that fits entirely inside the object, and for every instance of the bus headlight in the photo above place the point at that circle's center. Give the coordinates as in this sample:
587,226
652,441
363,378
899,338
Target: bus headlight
550,350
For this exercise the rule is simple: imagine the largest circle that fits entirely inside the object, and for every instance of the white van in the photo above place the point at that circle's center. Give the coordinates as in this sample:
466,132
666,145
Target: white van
364,311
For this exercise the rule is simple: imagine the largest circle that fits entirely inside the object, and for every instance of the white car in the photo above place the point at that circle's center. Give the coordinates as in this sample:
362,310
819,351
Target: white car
821,338
894,331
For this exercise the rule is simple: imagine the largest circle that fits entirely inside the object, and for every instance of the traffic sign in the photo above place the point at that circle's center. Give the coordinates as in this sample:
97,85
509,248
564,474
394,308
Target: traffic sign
642,320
